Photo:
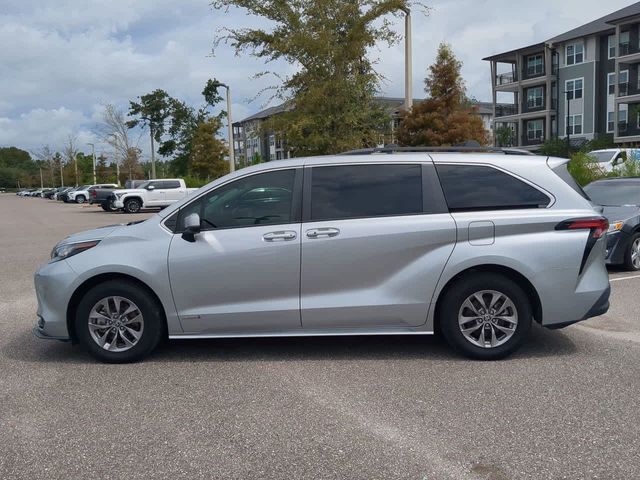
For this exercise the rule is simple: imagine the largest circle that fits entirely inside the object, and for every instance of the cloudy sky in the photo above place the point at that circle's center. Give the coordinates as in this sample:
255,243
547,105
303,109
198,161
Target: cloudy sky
61,60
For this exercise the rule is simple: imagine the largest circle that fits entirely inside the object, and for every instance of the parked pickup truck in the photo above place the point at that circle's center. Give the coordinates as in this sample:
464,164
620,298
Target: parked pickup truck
151,194
102,195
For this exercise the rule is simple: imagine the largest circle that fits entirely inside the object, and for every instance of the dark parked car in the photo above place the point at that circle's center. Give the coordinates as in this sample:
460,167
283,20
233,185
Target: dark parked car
101,195
620,198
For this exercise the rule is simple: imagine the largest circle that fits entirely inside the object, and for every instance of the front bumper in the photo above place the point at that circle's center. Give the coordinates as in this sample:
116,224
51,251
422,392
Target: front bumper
54,285
617,245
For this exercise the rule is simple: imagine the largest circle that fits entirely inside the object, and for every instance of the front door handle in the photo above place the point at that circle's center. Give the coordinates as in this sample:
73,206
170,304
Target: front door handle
322,232
279,236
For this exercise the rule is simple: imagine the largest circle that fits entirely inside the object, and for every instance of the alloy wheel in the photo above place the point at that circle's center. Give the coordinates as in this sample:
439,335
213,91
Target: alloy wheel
488,318
116,324
635,254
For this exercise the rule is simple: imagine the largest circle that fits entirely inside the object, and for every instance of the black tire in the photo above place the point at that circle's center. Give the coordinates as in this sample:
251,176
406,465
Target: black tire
80,199
628,260
133,205
105,206
152,332
464,288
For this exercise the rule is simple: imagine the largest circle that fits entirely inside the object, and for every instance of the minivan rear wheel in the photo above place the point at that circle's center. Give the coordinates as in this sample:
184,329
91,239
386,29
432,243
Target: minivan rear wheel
118,322
485,316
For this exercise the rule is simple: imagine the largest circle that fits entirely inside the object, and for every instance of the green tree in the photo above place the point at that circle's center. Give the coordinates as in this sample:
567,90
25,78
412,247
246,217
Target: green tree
331,93
446,117
208,152
173,122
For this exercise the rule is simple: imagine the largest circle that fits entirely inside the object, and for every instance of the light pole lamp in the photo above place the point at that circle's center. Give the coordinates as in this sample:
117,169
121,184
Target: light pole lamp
93,155
232,161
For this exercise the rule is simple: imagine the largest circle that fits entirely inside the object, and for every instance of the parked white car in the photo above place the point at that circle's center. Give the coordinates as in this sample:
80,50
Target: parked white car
81,195
610,158
151,194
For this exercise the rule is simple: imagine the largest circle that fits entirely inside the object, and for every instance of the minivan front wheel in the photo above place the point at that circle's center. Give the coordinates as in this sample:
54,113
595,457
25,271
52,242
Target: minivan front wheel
485,316
118,322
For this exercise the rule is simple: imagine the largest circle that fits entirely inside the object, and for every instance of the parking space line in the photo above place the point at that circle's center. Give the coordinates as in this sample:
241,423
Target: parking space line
623,278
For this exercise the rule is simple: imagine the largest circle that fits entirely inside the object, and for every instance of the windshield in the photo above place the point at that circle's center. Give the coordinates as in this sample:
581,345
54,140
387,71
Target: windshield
602,157
614,193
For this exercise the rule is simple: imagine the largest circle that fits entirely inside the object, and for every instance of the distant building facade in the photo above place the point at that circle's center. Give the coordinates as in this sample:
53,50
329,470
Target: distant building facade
254,141
584,83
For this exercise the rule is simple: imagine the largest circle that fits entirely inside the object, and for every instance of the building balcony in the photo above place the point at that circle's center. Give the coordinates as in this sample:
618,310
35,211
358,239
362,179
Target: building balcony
506,78
506,110
628,49
528,140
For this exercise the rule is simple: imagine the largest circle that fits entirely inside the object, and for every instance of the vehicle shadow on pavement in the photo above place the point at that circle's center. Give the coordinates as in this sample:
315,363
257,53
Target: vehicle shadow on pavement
542,343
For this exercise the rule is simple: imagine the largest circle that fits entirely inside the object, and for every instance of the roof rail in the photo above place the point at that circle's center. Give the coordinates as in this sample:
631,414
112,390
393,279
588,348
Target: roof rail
394,149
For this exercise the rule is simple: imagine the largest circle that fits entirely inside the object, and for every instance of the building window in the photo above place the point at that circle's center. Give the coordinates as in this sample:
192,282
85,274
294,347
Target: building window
272,140
624,43
535,97
574,89
611,42
611,83
534,130
272,157
611,121
534,65
575,53
575,125
623,84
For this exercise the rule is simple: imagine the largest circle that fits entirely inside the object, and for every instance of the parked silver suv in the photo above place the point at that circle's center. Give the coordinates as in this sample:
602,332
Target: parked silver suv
473,245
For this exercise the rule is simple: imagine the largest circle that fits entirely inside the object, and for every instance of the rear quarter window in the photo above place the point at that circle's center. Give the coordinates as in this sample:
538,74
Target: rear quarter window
479,187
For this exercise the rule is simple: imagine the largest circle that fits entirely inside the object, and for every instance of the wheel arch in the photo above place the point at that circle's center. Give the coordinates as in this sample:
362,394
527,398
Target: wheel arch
88,284
514,275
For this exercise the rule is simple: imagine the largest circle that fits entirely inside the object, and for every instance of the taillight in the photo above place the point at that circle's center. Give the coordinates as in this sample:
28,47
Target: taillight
94,194
597,225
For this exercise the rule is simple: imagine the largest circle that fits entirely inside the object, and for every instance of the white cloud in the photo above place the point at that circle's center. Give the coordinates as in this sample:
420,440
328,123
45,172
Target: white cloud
61,60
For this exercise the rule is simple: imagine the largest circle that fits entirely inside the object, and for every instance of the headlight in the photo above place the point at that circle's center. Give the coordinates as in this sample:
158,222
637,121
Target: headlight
60,252
615,227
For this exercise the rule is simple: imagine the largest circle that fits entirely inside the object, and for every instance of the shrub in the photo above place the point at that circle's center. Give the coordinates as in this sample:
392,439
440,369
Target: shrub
584,168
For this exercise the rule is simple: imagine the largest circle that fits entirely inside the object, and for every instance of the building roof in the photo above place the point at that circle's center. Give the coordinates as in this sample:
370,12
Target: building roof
391,104
599,25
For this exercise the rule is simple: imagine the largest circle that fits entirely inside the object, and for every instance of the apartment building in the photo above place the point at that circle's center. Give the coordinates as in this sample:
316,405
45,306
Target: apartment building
583,83
253,140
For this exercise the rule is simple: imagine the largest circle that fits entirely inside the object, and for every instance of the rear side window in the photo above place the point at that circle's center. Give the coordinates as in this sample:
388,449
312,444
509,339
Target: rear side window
563,172
477,187
170,184
357,191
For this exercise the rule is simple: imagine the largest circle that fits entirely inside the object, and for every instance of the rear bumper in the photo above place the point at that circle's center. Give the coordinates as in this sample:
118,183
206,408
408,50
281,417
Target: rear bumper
599,308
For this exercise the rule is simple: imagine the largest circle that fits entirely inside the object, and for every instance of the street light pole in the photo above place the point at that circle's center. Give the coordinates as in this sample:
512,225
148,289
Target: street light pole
408,65
153,153
93,154
566,92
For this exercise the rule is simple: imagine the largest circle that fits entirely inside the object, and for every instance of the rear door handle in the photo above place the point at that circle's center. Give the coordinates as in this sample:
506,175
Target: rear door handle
279,236
323,232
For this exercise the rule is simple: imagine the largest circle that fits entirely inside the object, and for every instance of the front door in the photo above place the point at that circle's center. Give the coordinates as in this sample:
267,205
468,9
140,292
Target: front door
154,196
242,273
373,248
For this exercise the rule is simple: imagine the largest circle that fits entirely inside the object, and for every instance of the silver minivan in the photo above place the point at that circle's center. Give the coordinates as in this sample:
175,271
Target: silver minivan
474,246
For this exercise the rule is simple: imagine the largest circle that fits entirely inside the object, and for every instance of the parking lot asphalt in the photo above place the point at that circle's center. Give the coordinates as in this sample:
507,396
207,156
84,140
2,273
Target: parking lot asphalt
565,406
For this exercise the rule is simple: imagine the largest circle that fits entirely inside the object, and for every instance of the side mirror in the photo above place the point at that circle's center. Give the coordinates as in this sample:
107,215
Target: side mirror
191,227
151,187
